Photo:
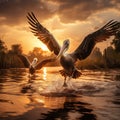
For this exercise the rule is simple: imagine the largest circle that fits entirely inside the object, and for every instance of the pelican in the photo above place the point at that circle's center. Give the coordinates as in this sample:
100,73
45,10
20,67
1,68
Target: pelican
34,65
68,60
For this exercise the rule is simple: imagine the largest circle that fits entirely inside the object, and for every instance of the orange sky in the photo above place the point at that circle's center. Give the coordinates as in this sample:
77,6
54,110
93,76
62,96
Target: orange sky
65,19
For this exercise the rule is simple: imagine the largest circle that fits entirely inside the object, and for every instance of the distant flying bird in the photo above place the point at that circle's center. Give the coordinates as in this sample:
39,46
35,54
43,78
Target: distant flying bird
84,49
34,65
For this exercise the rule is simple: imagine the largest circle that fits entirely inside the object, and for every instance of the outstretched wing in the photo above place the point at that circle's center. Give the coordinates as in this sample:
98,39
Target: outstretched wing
85,48
43,34
25,60
44,62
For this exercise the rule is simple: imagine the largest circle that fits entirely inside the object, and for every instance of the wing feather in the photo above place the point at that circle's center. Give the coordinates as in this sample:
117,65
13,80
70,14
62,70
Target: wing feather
85,48
25,60
44,62
43,34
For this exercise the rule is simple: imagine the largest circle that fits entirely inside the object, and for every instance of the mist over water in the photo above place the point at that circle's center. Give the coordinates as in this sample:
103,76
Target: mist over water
93,96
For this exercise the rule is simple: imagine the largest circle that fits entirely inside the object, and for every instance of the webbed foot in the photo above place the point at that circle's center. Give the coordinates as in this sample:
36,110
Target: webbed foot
65,84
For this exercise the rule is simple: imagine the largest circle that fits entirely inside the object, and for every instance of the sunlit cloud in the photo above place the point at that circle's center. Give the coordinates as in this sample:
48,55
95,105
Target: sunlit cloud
64,19
21,35
52,6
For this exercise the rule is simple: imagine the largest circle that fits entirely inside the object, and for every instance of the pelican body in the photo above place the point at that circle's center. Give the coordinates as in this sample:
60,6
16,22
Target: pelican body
68,62
81,52
34,65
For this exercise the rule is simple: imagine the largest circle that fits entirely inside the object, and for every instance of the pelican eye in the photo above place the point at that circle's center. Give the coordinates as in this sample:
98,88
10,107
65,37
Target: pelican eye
66,42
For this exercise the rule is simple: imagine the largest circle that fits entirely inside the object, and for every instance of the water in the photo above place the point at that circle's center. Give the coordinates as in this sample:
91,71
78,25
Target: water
94,96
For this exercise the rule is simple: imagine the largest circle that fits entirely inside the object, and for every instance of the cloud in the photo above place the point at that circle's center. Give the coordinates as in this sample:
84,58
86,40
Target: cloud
15,11
66,19
72,10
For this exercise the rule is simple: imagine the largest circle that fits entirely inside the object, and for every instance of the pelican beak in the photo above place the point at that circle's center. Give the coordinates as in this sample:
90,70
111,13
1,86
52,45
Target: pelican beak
62,50
34,62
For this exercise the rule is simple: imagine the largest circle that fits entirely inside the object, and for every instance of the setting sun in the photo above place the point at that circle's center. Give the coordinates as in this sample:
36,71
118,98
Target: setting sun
38,43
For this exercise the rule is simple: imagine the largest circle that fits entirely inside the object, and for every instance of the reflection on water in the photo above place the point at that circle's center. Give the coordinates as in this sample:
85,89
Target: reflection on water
94,96
44,73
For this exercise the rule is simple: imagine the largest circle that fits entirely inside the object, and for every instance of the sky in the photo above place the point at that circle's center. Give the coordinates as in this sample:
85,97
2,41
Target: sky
65,19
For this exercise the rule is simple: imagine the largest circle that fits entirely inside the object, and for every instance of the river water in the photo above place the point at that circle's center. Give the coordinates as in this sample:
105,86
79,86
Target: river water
93,96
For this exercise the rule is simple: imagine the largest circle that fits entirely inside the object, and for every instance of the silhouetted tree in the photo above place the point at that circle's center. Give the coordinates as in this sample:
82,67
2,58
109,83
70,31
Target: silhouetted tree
13,60
116,42
36,52
3,50
16,49
112,58
95,60
96,53
3,47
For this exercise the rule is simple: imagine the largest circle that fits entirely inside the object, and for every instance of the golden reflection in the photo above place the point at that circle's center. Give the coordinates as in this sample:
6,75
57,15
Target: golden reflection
15,104
39,100
54,102
50,102
44,73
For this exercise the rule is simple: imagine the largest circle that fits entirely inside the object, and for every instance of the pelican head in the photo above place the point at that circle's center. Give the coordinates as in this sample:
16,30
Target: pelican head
34,62
64,48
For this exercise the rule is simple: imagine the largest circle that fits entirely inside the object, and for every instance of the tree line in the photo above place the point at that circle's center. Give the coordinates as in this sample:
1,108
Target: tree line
9,57
110,58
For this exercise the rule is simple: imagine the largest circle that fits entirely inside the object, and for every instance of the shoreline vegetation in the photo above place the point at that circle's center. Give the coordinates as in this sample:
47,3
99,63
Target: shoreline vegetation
110,58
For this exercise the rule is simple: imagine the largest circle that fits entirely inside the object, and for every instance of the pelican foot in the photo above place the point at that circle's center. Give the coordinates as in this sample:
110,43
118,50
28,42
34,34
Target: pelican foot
76,74
63,73
65,84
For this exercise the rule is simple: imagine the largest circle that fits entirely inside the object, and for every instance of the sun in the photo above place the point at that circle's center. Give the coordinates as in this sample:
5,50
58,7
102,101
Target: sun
38,43
44,47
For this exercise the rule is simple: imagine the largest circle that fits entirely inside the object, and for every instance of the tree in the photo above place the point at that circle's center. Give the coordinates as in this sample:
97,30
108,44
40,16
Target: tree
111,57
13,61
36,52
3,47
116,42
16,49
96,53
3,50
95,60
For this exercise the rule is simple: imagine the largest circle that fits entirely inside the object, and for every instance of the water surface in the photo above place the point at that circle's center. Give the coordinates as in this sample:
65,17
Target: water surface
94,96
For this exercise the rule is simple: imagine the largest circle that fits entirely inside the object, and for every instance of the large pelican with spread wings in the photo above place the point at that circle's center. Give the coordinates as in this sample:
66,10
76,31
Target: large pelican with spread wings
84,49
